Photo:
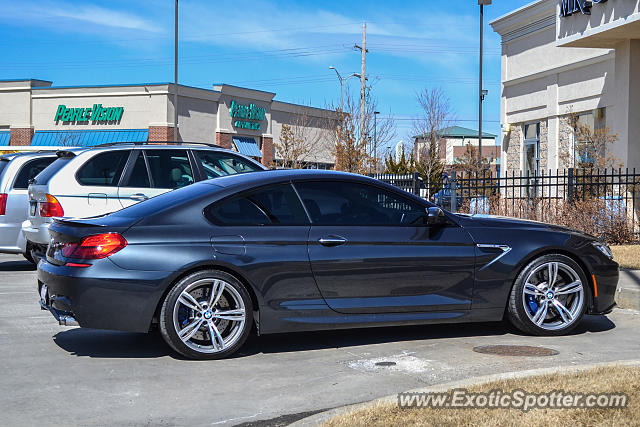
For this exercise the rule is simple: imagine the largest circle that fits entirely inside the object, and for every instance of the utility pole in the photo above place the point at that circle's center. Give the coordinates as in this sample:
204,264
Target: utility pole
175,77
363,49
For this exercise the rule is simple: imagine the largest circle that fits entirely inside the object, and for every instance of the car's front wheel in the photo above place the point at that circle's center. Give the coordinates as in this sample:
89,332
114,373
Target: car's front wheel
549,296
206,315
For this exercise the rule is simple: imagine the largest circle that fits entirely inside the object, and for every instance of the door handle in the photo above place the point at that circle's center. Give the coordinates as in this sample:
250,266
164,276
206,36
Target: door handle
139,197
332,241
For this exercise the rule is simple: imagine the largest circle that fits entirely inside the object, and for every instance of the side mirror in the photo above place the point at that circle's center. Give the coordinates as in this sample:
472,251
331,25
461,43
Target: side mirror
436,216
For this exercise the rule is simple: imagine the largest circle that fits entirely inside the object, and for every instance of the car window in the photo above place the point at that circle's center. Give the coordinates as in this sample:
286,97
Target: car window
273,205
3,164
169,168
30,170
139,177
348,203
103,169
217,164
44,176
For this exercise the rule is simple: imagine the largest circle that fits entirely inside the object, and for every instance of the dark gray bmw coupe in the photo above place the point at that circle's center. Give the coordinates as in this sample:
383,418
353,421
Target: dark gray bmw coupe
292,250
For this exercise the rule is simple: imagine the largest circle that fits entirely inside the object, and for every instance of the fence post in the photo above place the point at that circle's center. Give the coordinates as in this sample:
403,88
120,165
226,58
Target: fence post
416,183
570,184
452,191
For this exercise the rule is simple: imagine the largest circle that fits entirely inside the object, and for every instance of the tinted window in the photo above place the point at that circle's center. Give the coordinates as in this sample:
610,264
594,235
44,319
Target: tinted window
169,168
217,164
139,175
103,169
3,164
44,176
347,203
274,205
30,170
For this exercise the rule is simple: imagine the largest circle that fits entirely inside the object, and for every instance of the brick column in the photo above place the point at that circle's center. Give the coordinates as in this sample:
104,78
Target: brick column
162,133
223,140
20,136
267,151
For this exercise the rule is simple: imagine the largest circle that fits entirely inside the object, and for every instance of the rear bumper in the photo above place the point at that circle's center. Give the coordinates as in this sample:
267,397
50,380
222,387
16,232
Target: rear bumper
102,296
38,234
11,239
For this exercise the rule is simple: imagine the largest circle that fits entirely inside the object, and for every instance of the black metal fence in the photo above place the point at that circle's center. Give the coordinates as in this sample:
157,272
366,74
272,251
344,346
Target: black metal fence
599,199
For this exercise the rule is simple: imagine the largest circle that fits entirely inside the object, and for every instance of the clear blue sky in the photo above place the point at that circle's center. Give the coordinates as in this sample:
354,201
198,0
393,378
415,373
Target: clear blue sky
284,47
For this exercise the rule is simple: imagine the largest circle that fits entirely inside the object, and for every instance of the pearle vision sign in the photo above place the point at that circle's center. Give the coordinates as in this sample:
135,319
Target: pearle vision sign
95,114
244,113
569,7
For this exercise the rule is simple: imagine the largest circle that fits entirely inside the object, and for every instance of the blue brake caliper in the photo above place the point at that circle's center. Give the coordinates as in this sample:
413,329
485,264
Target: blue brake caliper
533,305
183,316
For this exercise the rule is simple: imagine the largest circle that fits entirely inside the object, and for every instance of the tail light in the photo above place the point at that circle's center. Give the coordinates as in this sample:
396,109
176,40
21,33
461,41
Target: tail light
3,204
97,246
51,207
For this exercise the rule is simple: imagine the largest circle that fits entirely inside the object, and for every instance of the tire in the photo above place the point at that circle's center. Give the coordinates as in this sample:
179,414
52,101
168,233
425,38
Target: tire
28,257
537,309
208,332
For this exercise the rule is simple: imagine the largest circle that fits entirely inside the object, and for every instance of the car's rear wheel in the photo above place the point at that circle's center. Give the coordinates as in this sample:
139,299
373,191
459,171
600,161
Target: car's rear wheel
206,315
549,296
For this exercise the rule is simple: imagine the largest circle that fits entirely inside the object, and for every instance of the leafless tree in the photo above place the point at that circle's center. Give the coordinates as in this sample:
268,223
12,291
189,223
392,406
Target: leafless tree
435,115
304,140
353,155
592,146
68,139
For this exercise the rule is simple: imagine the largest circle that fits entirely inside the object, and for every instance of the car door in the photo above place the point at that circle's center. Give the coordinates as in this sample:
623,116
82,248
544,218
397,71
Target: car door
98,180
371,252
153,172
264,232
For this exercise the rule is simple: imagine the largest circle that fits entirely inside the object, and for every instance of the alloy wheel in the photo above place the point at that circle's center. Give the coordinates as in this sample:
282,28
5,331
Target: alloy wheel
553,296
209,316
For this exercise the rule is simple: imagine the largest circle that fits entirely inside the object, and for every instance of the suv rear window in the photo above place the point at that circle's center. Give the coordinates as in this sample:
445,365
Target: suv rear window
3,164
30,170
104,169
44,176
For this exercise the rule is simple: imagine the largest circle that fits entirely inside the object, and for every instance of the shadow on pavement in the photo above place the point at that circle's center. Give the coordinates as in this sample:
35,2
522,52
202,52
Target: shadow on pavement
19,265
112,344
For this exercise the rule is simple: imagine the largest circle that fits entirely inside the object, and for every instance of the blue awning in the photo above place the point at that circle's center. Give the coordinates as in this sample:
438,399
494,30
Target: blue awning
247,146
88,138
4,137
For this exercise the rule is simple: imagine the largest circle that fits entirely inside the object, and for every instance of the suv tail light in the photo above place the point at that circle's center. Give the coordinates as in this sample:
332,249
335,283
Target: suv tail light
51,207
3,204
97,246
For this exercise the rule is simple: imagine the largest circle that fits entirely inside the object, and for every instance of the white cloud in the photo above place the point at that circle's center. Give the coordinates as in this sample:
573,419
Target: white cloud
74,17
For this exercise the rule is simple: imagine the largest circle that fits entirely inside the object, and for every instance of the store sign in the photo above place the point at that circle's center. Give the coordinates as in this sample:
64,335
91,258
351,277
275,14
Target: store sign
244,113
96,114
569,7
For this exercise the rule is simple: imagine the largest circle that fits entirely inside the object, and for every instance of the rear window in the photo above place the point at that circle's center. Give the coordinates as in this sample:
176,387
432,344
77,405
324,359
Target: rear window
30,170
44,176
217,164
3,164
104,169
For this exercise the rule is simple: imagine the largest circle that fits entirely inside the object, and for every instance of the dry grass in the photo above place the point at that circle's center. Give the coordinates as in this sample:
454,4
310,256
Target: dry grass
628,256
599,380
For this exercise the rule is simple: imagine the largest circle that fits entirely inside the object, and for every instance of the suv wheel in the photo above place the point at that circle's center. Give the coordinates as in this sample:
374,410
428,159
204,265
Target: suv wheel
206,315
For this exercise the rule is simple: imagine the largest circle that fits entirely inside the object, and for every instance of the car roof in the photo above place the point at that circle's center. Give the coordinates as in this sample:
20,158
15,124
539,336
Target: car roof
27,155
277,175
150,146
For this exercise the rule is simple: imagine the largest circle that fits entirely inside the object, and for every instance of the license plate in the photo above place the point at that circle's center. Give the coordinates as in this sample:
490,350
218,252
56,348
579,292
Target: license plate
32,208
43,294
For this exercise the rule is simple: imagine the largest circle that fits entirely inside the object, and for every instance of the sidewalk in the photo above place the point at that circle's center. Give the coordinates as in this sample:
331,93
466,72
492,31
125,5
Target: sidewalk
628,292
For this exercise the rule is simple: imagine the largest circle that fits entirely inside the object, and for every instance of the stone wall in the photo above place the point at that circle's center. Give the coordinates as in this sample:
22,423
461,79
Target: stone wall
513,147
544,145
565,143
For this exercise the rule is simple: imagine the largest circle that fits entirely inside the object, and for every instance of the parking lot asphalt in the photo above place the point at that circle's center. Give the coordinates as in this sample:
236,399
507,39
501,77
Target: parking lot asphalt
68,376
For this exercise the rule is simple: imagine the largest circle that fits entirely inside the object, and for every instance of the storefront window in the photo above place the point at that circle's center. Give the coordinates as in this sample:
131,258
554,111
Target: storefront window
532,148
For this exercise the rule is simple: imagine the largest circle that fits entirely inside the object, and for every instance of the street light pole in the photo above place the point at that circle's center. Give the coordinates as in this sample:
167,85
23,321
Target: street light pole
480,92
175,77
342,80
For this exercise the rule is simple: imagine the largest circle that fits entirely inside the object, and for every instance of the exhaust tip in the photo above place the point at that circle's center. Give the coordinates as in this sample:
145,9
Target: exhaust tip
67,321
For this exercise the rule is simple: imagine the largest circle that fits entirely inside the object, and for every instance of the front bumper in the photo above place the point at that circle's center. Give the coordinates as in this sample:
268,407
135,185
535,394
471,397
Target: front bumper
604,281
102,296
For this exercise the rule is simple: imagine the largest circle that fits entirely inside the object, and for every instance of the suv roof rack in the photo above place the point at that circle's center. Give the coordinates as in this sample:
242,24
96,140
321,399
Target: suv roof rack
110,144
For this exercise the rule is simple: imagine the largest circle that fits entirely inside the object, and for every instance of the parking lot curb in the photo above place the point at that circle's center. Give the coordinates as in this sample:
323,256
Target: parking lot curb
628,292
321,417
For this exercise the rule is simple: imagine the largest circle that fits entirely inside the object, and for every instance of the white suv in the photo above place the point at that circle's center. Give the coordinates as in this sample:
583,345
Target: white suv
88,182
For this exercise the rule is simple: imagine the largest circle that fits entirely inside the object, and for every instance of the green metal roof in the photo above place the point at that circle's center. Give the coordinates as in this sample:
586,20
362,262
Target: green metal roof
460,132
